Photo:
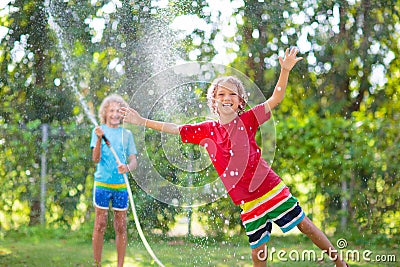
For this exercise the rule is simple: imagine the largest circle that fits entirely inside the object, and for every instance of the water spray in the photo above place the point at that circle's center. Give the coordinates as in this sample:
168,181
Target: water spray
65,61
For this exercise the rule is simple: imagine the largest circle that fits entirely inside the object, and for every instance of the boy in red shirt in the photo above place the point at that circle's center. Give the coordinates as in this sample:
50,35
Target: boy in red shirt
250,182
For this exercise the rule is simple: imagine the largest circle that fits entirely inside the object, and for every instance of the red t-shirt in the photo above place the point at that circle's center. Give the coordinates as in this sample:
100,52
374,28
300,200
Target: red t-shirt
235,154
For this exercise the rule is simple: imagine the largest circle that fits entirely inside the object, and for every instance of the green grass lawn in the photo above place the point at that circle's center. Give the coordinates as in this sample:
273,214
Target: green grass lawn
55,249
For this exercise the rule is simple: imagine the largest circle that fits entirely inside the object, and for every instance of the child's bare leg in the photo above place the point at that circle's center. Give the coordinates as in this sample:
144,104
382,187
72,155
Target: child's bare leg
259,256
121,235
307,227
100,225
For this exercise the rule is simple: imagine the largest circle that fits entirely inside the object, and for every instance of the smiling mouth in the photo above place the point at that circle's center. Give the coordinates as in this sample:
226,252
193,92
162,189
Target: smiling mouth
227,105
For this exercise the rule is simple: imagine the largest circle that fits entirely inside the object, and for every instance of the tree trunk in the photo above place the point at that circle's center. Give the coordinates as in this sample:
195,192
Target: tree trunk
43,173
34,215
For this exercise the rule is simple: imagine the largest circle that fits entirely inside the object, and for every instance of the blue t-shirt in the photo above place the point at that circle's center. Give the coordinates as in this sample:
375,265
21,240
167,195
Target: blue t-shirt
124,145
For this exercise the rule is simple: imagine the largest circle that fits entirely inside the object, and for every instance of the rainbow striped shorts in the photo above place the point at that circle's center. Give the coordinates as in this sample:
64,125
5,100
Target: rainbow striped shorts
278,206
116,193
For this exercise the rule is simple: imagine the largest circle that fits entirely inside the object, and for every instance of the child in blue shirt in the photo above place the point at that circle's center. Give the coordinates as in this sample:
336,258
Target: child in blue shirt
109,183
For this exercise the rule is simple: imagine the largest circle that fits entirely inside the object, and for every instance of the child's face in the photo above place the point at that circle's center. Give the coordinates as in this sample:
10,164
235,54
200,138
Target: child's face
113,118
227,99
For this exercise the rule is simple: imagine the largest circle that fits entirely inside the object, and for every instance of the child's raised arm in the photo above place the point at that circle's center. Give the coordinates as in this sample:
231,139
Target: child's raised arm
132,116
287,64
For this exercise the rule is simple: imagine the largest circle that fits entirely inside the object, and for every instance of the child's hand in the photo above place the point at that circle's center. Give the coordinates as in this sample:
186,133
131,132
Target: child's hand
131,116
290,59
99,132
123,168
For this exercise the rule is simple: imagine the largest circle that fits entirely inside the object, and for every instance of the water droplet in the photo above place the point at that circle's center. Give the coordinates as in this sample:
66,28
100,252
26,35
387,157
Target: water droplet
57,82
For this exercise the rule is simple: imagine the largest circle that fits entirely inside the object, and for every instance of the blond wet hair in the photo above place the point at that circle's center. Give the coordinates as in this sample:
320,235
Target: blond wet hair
226,79
114,98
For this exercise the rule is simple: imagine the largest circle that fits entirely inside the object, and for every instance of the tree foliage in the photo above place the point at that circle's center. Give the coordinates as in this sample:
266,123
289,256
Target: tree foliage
42,69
